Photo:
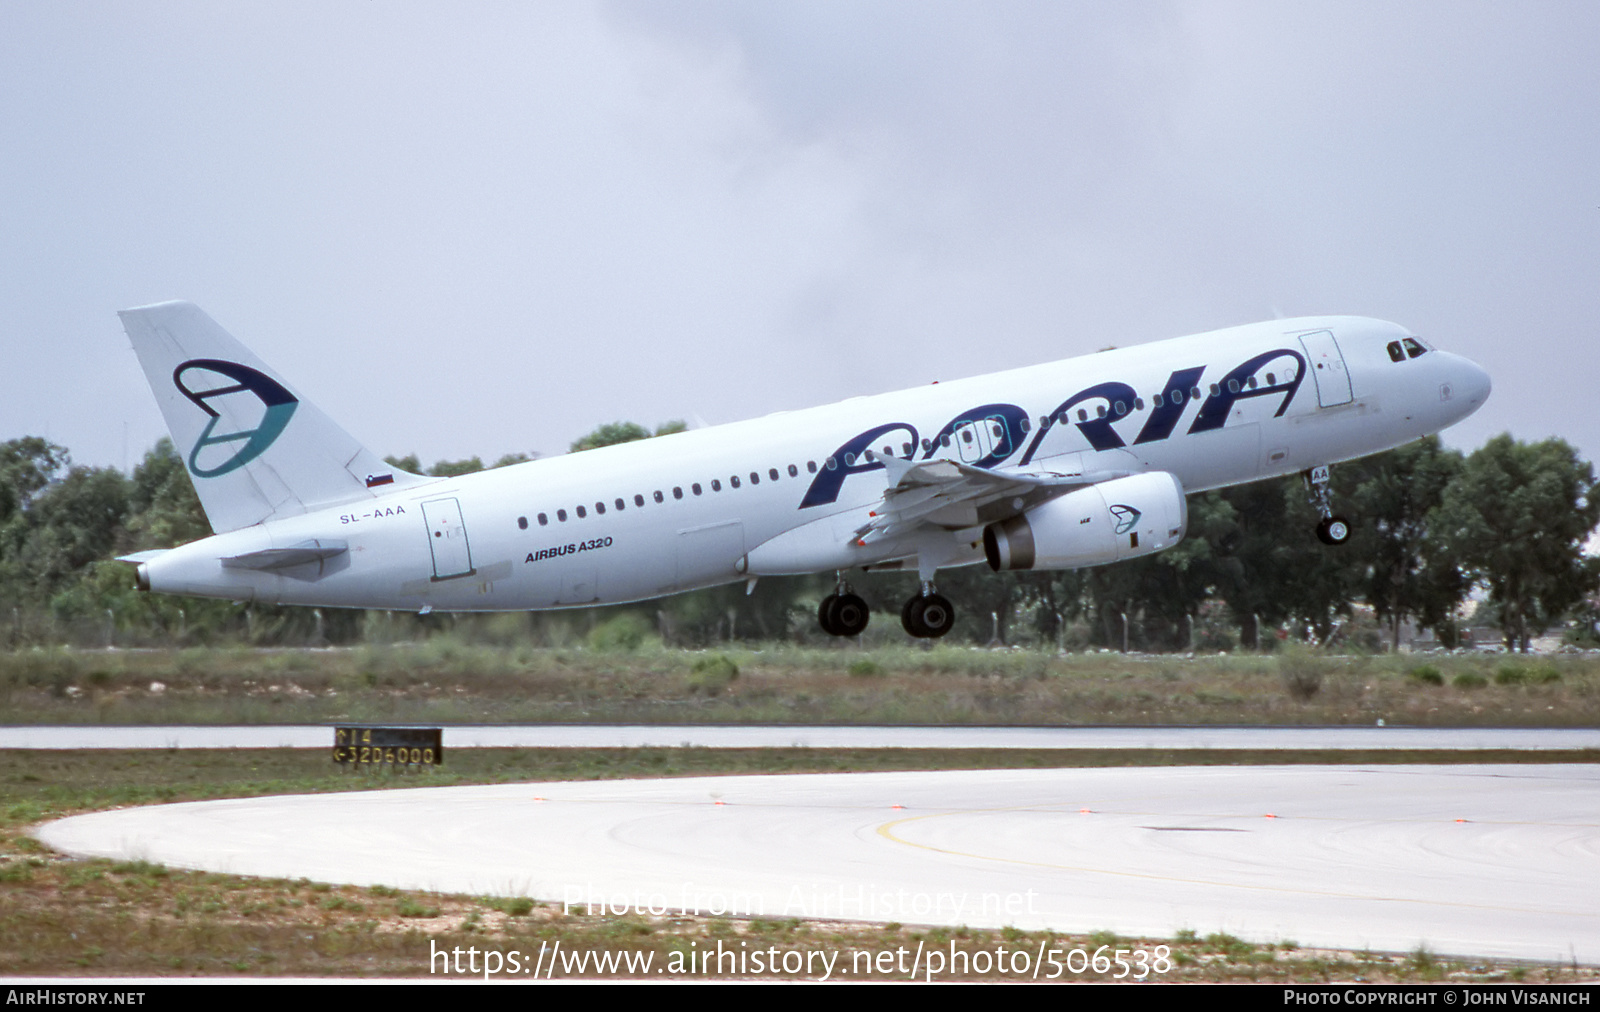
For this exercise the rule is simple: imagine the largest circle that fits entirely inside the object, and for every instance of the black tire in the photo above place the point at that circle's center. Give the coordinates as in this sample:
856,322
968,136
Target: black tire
1334,531
908,618
928,616
825,615
849,615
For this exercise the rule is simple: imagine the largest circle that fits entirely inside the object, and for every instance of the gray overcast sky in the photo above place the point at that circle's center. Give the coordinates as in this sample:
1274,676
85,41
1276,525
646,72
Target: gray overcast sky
475,228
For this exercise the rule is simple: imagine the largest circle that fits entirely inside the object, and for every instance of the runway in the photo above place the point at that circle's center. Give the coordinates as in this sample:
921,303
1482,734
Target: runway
1472,860
1344,738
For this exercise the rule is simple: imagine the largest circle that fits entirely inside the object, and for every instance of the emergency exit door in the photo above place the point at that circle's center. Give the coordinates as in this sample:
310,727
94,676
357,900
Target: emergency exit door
447,538
1326,363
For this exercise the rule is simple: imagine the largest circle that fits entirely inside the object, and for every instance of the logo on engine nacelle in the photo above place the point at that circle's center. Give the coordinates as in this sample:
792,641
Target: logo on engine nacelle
1125,516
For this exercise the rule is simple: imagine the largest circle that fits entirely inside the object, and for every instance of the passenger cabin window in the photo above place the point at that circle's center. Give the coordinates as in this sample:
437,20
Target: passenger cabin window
755,479
659,497
811,466
561,515
638,500
794,472
772,473
677,493
544,521
733,482
695,488
522,523
599,508
620,504
716,486
581,513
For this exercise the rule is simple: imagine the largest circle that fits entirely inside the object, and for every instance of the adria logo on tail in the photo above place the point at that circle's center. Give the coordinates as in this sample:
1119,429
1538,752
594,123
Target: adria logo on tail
260,392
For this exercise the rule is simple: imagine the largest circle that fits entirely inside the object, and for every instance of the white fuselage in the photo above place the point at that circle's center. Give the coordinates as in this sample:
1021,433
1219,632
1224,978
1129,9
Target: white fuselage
550,533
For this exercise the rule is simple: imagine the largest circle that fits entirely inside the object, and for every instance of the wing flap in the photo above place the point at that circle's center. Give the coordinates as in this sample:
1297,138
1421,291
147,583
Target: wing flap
950,494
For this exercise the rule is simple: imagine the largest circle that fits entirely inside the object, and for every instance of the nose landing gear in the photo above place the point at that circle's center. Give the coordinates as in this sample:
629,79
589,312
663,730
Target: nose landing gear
1331,530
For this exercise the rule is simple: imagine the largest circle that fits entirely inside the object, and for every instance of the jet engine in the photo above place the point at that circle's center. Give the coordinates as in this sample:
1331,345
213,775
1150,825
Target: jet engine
1106,522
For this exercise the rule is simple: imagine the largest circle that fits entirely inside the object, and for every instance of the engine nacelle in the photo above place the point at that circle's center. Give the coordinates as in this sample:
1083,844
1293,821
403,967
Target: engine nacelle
1093,526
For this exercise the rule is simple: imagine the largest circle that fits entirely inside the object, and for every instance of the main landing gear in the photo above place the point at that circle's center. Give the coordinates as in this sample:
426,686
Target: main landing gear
927,616
842,613
1332,530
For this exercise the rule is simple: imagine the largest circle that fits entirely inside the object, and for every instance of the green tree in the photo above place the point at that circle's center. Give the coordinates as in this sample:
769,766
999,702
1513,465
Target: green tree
1396,495
165,510
514,458
72,523
1269,566
452,468
611,434
1516,519
27,465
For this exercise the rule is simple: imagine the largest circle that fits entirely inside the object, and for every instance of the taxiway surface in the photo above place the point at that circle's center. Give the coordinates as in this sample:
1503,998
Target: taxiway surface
1474,860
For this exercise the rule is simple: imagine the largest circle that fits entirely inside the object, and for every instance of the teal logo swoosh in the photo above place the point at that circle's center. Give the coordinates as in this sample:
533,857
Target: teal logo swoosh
1126,517
204,380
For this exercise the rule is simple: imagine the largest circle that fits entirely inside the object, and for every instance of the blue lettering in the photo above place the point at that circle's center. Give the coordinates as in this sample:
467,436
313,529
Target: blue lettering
1097,429
1235,387
825,486
1171,405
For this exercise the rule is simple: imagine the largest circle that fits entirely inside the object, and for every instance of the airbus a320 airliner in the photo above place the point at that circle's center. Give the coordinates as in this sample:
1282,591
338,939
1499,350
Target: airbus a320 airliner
1078,463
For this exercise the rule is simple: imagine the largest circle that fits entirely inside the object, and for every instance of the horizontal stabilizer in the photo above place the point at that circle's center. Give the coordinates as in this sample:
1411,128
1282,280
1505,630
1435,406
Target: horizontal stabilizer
283,558
153,553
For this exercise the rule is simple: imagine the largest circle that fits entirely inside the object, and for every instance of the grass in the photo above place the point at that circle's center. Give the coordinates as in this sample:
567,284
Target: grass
101,918
446,681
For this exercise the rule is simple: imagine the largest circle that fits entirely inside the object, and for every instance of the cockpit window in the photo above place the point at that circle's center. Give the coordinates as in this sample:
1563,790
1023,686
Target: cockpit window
1395,352
1414,347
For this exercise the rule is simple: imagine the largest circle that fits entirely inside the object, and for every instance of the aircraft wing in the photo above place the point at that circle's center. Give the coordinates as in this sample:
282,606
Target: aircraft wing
953,495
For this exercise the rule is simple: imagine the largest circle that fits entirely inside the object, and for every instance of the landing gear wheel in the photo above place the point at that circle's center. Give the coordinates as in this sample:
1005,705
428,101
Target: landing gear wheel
1334,531
927,616
843,615
825,615
850,615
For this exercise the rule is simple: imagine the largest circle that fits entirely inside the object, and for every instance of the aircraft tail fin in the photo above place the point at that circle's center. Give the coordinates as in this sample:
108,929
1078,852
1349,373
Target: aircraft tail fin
254,449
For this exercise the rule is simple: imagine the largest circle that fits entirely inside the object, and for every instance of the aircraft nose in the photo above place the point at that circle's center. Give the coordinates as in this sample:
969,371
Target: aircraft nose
1463,387
1472,383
